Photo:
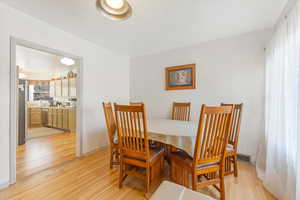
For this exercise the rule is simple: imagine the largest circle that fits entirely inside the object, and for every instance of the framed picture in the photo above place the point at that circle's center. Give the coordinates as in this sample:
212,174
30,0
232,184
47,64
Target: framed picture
180,77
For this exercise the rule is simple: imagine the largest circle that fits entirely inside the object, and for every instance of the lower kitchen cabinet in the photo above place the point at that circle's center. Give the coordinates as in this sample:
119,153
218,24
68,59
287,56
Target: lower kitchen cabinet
62,118
50,116
66,119
34,117
54,117
59,123
72,119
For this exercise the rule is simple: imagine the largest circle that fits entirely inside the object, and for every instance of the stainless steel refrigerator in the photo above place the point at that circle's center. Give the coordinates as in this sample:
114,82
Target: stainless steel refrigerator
22,112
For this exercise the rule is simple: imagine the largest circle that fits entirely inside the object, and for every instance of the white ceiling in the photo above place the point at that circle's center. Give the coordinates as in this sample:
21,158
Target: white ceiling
40,65
156,25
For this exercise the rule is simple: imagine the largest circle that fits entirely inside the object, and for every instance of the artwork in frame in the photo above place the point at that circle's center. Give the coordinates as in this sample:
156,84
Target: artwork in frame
180,77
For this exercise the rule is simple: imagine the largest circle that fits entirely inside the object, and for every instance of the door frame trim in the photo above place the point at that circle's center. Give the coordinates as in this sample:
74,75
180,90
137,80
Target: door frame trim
13,125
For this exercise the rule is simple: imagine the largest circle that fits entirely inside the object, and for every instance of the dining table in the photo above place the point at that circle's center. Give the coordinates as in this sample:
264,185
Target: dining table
179,134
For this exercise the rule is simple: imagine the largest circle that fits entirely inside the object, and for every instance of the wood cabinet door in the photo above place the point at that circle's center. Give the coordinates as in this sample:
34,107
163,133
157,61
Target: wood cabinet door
58,88
54,118
28,118
72,87
36,119
59,118
72,119
35,116
66,119
52,88
65,87
50,115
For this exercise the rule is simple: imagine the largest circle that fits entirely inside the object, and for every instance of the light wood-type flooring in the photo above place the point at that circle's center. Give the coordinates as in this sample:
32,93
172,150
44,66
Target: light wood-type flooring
45,152
47,170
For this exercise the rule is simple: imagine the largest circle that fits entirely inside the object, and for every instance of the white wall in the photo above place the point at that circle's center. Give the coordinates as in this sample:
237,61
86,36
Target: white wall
228,70
105,77
40,65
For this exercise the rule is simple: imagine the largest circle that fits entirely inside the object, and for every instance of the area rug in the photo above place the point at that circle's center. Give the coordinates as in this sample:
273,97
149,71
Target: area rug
41,132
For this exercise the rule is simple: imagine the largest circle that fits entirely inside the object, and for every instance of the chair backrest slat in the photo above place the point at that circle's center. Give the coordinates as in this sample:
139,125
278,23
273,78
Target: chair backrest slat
235,125
132,130
212,134
181,111
135,103
110,121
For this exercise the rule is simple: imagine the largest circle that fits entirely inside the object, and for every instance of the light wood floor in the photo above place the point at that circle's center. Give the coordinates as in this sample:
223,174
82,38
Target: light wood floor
90,177
42,153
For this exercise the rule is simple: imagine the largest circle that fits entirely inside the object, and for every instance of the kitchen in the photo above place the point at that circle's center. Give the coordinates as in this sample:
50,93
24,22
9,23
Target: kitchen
52,104
47,99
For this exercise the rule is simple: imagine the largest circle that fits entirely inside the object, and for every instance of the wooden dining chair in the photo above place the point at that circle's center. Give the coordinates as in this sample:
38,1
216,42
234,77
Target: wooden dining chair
152,143
209,152
135,154
181,111
111,130
234,132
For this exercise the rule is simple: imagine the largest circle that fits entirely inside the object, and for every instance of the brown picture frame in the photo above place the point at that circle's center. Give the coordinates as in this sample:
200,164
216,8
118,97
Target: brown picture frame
190,79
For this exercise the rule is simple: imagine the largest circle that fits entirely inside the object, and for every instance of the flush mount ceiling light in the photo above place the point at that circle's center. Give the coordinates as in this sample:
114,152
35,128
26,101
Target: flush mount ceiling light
67,61
114,9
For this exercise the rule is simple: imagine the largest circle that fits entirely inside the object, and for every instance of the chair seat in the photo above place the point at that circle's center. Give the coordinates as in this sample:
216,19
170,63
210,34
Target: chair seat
154,154
185,159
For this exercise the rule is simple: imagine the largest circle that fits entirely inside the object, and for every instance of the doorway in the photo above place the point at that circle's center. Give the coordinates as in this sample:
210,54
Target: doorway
45,108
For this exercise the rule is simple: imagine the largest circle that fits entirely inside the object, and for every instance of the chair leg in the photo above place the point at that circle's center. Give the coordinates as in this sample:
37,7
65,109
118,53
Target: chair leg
152,172
118,156
172,172
227,164
235,166
121,174
147,179
194,182
162,166
222,185
111,158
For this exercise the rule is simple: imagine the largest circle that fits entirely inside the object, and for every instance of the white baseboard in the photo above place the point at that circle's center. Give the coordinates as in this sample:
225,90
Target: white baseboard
94,150
4,185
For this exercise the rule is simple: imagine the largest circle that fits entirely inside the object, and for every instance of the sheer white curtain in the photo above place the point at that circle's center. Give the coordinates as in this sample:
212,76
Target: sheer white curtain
279,154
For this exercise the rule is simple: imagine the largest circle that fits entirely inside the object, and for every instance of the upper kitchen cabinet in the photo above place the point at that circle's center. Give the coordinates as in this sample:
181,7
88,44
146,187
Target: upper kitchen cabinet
52,88
58,88
72,87
65,87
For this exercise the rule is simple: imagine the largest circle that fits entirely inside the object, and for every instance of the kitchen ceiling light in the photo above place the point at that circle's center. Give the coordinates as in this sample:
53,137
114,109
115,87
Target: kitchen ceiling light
114,9
67,61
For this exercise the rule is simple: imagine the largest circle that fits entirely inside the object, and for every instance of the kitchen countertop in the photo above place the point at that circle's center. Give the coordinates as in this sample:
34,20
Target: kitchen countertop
53,107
